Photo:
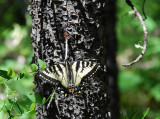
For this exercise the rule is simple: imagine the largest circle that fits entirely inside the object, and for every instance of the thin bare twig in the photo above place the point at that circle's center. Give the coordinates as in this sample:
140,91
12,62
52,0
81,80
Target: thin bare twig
145,17
145,35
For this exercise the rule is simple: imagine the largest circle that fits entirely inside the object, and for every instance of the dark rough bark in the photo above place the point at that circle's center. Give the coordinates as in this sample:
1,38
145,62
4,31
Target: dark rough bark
91,28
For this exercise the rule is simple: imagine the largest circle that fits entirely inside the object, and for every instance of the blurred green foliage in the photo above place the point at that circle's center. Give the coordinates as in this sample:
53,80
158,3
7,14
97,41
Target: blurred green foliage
139,85
16,53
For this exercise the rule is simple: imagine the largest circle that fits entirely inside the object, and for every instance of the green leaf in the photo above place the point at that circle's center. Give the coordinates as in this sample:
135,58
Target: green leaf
9,114
11,72
17,107
43,100
34,67
38,98
157,118
33,106
27,101
4,74
52,96
145,113
23,70
21,75
41,64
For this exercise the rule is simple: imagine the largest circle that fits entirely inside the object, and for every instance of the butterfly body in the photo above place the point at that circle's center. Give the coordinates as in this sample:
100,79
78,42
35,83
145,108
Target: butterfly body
70,74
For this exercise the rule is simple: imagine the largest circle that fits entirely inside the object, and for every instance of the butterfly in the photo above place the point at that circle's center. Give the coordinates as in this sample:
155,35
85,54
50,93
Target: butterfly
69,74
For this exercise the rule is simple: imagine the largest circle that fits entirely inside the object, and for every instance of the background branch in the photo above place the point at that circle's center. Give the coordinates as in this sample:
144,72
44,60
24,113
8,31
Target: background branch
144,31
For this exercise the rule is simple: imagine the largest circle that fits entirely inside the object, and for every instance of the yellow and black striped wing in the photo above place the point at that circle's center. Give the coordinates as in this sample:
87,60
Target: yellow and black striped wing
56,73
83,70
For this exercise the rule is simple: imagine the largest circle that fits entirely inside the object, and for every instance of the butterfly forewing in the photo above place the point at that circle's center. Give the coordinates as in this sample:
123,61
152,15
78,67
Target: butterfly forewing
56,73
84,71
48,74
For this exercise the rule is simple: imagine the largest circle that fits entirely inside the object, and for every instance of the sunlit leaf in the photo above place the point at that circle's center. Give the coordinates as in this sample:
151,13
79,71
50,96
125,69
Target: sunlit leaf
145,113
34,67
33,106
11,72
23,70
41,64
43,100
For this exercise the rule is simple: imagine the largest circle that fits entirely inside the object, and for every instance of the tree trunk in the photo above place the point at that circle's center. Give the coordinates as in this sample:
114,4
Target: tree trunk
110,51
90,25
